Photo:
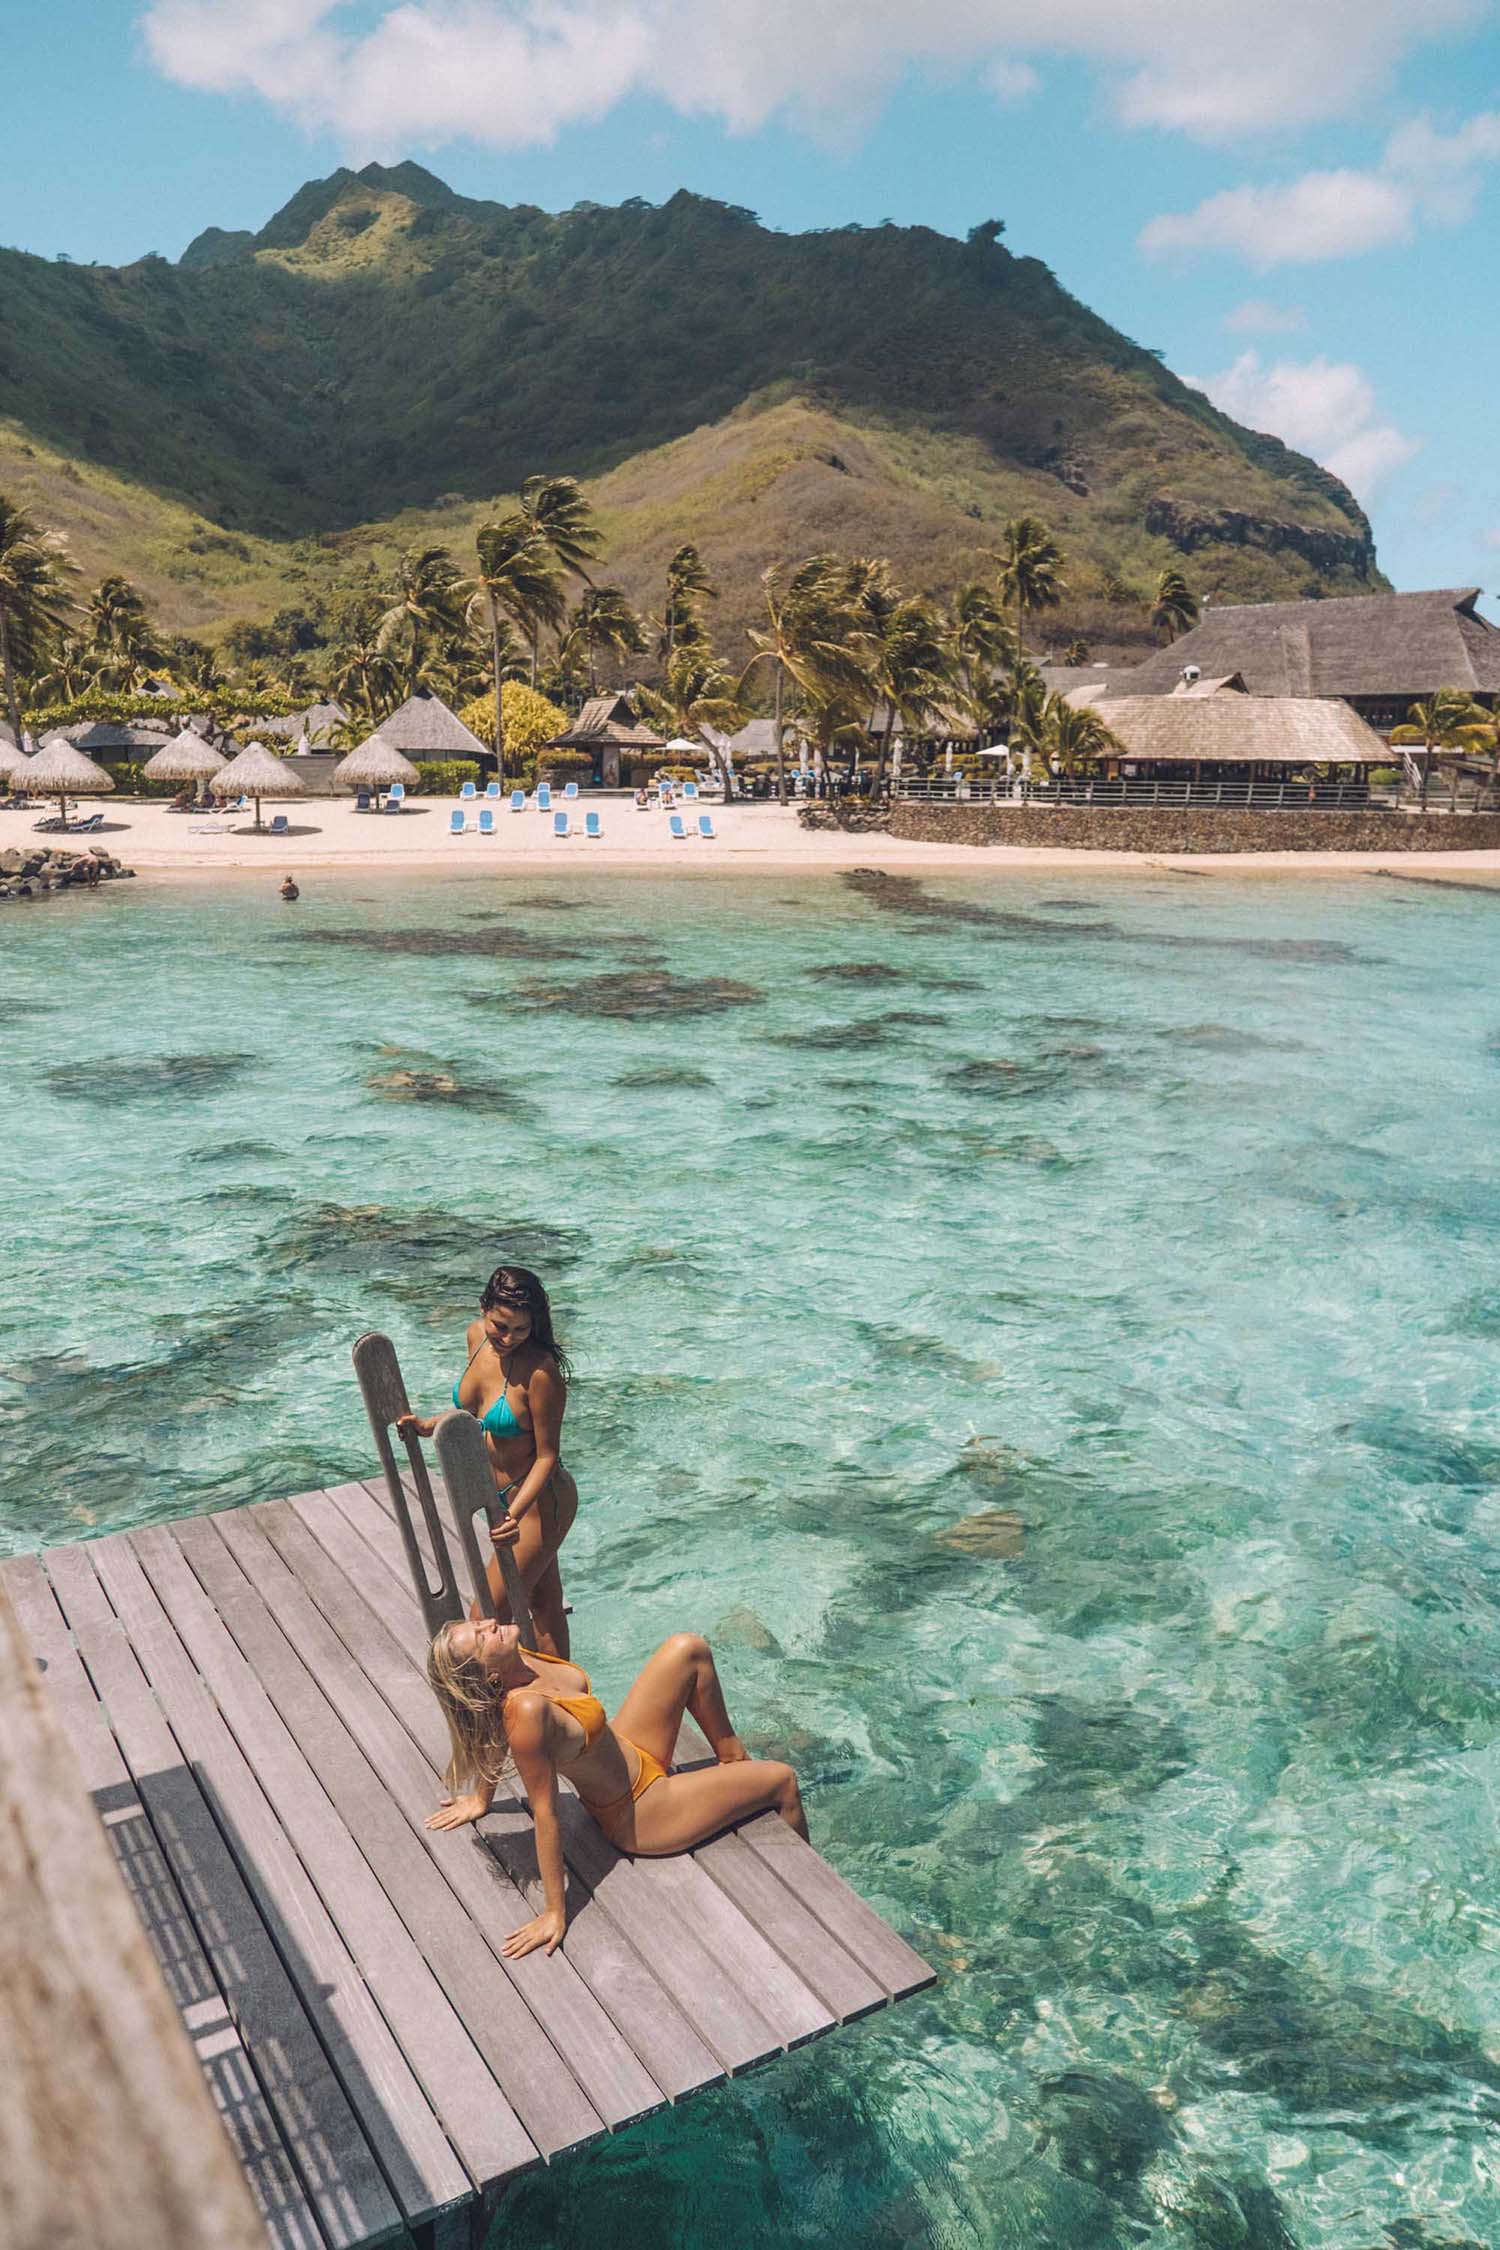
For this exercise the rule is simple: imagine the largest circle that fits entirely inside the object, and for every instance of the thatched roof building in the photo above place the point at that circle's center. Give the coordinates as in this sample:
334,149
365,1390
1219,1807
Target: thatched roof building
425,727
1380,652
605,726
317,722
1231,729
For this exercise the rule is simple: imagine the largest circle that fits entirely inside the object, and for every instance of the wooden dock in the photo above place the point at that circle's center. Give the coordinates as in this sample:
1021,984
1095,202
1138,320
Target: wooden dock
245,1694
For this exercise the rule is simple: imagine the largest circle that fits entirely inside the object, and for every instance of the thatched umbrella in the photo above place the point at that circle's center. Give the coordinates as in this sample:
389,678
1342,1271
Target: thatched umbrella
257,773
15,764
187,757
59,770
375,765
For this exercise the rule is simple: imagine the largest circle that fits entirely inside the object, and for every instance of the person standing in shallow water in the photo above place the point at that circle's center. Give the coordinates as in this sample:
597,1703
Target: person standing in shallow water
516,1387
289,888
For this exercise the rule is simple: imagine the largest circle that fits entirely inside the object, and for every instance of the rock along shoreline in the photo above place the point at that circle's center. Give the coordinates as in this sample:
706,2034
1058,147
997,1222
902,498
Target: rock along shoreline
36,873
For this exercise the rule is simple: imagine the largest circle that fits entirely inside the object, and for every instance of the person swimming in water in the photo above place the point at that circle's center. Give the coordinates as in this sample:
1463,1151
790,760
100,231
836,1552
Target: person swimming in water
516,1387
508,1704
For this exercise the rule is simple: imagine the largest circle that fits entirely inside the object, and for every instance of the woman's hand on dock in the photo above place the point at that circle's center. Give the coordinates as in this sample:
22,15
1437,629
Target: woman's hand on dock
422,1424
546,1930
454,1812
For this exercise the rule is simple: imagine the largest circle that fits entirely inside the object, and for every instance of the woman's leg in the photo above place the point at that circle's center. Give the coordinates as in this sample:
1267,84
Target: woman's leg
543,1530
680,1677
687,1808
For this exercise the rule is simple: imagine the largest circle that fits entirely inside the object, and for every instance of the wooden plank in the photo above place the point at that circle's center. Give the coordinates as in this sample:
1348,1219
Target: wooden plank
238,2095
713,1945
559,2058
823,1891
659,2034
93,2057
421,2168
845,1989
442,2056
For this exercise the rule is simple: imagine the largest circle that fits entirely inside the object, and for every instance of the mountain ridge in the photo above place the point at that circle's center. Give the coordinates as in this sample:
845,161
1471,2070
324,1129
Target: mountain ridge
384,346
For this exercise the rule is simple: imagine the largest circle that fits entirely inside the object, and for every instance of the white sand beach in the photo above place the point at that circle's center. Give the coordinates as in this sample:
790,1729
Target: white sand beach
327,832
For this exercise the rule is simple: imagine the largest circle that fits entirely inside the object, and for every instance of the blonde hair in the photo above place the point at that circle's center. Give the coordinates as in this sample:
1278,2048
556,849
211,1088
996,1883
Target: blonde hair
475,1711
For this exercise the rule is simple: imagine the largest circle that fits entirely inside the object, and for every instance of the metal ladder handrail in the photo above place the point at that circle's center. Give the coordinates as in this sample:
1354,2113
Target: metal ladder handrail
471,1490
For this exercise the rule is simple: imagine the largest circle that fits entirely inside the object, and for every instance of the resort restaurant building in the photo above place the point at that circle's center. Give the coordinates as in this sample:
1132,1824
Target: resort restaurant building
605,728
1379,653
425,727
1215,735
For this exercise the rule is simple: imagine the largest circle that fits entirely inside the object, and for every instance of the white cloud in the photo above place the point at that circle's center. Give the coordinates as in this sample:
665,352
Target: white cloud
1257,316
390,73
1492,538
1423,174
1319,406
1011,81
1322,215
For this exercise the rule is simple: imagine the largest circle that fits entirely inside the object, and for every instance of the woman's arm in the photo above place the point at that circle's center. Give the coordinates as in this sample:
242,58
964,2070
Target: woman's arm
526,1722
546,1397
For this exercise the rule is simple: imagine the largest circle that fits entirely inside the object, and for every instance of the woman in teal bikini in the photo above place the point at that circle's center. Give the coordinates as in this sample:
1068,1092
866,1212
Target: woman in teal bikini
515,1386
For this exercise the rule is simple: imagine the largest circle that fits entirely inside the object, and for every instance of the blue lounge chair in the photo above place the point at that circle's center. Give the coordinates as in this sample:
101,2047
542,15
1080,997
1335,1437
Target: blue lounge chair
492,788
457,825
393,805
690,790
706,826
486,820
397,795
468,790
591,824
560,824
278,824
544,796
518,800
362,800
570,788
674,823
90,827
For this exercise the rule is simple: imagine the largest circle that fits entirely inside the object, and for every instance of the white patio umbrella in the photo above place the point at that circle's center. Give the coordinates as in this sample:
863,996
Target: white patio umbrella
257,773
59,770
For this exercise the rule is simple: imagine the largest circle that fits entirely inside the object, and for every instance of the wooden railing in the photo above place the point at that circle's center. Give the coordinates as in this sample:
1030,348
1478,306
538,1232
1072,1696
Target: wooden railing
1445,794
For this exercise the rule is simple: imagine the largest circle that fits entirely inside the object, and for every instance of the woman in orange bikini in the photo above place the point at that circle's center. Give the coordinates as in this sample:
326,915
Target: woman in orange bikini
516,1387
503,1701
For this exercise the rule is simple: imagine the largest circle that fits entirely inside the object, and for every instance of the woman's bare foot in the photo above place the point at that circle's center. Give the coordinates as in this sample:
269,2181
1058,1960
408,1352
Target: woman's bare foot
732,1752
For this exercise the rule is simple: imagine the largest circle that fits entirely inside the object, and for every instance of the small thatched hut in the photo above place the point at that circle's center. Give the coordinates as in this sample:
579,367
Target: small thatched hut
425,727
318,722
606,726
187,757
257,772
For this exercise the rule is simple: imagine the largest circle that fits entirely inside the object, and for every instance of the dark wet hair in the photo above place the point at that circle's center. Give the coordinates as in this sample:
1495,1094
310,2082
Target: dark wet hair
518,1289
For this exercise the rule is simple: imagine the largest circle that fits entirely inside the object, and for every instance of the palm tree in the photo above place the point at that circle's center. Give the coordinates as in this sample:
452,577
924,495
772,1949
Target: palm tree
563,521
1074,734
688,587
1030,565
366,676
982,646
1175,608
1448,720
602,624
517,583
119,635
698,699
33,603
424,606
814,638
916,672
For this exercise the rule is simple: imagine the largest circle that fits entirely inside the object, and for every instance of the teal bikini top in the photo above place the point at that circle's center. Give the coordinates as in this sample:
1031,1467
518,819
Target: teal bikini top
500,1421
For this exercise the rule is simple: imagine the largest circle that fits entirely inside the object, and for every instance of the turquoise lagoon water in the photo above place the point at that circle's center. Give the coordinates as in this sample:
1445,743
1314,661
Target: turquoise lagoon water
1046,1330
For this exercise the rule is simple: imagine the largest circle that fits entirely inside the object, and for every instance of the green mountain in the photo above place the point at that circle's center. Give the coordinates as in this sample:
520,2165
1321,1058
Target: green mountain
277,413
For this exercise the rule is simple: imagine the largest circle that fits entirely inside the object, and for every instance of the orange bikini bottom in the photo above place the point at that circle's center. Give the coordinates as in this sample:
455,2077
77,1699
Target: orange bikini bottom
651,1771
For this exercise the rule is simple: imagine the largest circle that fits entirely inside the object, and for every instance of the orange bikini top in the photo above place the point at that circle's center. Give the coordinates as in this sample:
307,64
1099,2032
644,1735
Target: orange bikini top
585,1708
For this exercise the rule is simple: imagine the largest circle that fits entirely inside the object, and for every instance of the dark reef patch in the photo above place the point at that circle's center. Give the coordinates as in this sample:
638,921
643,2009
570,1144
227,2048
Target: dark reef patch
1227,1039
407,1076
421,1258
629,994
869,1031
661,1078
500,941
112,1081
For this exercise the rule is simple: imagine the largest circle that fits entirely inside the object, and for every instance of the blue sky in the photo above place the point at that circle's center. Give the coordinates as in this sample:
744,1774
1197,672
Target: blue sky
1296,200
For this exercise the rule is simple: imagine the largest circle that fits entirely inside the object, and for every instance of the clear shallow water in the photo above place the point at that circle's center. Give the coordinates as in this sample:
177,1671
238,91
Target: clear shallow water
1157,1214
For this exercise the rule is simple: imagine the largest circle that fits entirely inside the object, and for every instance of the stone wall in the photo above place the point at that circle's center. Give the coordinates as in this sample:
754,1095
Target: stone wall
1197,828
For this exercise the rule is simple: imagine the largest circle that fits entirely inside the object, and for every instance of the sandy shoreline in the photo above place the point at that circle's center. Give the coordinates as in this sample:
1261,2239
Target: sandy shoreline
328,834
